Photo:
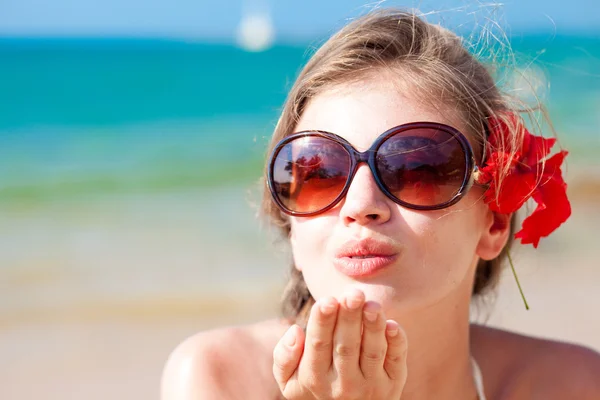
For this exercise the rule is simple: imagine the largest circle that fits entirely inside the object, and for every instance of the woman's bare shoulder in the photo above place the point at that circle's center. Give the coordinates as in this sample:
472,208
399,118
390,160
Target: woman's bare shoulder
228,362
520,366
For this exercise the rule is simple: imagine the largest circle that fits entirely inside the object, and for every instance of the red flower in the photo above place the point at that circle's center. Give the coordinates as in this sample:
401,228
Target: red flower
525,173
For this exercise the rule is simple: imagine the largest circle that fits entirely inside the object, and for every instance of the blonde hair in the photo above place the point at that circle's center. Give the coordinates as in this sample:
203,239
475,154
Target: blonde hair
434,63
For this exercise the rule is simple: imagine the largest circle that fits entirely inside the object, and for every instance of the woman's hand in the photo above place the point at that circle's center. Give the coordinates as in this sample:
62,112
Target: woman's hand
349,352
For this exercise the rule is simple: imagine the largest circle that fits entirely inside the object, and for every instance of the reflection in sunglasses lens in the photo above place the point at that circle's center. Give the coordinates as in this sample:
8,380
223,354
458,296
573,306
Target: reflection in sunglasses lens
423,167
309,173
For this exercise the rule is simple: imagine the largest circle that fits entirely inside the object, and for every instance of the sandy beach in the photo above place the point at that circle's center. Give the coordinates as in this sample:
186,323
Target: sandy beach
95,293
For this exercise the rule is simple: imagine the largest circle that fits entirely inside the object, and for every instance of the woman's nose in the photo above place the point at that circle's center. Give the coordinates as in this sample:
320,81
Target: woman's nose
364,202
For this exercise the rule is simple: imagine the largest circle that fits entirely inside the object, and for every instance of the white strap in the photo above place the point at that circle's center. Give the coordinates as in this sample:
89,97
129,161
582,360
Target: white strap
478,379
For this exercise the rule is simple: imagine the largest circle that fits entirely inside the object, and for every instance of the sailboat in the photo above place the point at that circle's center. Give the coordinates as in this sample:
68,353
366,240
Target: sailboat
255,31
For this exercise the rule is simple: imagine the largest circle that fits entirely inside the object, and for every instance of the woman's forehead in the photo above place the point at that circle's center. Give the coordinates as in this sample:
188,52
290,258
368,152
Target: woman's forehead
361,111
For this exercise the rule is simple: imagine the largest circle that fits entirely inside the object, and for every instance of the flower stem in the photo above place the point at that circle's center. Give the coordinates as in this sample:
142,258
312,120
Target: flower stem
517,279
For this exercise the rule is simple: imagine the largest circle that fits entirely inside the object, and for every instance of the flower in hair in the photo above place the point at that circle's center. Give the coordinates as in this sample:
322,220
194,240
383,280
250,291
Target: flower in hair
516,176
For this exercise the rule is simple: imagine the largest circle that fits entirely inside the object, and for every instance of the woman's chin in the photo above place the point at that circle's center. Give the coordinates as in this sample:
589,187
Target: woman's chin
396,300
385,295
390,295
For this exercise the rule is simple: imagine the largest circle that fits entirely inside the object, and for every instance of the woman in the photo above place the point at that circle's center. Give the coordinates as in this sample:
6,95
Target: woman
395,170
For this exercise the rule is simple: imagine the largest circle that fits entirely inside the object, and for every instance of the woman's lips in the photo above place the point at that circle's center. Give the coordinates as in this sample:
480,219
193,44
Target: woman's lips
362,267
361,258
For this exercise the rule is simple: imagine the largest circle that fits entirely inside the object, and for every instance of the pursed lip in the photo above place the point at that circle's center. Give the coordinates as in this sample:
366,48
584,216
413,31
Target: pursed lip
360,258
365,248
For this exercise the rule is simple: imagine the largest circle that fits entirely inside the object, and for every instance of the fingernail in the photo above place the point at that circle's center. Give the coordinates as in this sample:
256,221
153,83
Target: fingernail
290,338
370,316
353,303
391,328
371,310
327,307
354,299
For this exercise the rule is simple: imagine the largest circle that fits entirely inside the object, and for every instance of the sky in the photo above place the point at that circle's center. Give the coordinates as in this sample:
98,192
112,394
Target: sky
293,20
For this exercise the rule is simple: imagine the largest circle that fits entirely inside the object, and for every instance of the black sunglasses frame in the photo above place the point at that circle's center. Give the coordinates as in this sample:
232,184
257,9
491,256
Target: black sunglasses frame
369,157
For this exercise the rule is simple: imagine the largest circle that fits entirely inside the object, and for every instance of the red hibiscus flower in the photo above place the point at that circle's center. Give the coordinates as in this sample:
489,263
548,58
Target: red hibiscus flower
525,173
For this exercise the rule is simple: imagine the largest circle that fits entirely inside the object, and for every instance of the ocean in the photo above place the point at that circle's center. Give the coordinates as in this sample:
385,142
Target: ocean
109,116
128,198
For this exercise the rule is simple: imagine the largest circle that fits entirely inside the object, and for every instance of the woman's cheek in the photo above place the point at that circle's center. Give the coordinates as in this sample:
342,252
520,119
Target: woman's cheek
309,240
438,245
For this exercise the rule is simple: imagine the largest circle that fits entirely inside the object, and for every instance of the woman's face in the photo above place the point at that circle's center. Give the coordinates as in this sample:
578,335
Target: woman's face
428,254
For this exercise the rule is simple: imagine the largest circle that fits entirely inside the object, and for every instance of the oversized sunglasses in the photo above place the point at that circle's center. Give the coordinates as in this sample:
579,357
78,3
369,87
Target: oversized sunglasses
420,165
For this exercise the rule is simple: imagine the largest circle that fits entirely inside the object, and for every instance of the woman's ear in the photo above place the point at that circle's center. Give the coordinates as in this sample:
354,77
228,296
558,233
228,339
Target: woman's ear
495,235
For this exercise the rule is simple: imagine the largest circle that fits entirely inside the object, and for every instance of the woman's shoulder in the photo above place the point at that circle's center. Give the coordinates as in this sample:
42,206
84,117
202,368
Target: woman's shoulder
521,366
203,365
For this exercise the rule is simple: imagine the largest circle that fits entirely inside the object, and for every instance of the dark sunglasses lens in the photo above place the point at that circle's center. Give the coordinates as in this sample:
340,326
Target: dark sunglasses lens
422,167
309,173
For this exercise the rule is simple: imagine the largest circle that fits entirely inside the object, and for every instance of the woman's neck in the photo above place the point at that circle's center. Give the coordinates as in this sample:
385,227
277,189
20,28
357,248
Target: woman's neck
439,357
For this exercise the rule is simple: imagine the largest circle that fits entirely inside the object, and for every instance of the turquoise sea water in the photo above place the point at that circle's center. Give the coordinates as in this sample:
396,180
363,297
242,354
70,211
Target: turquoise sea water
101,116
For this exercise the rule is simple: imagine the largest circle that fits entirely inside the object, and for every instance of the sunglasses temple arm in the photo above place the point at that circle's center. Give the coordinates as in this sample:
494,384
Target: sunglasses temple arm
475,175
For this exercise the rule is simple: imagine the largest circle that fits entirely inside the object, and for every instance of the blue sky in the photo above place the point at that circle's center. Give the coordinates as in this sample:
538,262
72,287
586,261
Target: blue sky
294,20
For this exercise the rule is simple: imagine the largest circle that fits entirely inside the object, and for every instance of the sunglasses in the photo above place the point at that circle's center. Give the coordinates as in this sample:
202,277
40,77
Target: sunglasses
420,165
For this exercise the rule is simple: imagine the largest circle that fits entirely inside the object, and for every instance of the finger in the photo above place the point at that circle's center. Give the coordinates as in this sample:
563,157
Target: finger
347,335
287,354
397,347
317,359
374,343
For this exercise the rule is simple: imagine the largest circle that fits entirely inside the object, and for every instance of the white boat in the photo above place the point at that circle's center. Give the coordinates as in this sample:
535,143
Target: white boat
255,31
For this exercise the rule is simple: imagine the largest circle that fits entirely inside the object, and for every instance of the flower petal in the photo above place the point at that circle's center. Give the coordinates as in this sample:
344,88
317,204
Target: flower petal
538,148
553,164
553,209
515,190
514,175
